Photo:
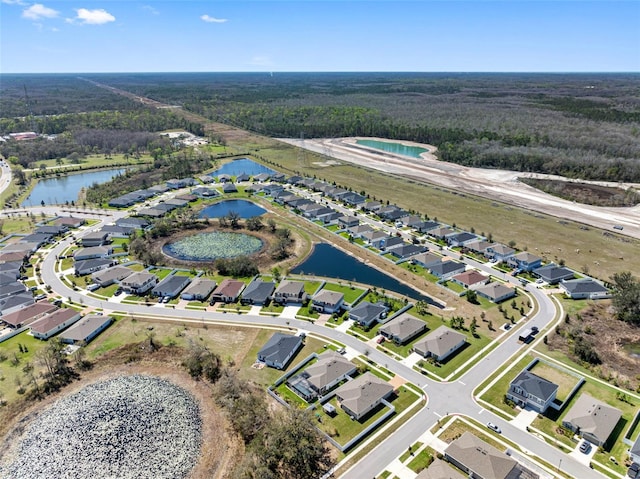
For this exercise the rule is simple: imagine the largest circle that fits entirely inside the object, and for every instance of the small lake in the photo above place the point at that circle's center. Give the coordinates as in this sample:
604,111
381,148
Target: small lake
330,262
391,147
244,165
246,209
211,246
59,190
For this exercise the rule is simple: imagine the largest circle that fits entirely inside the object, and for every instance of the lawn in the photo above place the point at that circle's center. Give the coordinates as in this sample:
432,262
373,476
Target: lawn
453,286
564,380
421,461
161,273
273,307
350,292
308,312
290,397
310,287
11,366
412,448
496,394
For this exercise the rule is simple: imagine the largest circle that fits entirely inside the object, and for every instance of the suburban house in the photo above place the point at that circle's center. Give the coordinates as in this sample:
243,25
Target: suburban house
553,274
86,329
375,238
478,246
95,238
426,226
137,223
89,266
26,316
460,239
480,460
440,344
446,269
13,287
52,230
112,275
403,328
391,242
12,268
279,350
592,419
204,192
54,322
198,290
634,451
440,233
499,252
371,206
21,247
227,291
366,313
229,188
69,221
15,302
290,292
346,221
361,231
39,238
171,286
440,469
496,292
405,251
410,220
92,252
116,231
525,261
530,390
257,292
316,380
139,283
470,279
361,395
426,260
584,288
325,301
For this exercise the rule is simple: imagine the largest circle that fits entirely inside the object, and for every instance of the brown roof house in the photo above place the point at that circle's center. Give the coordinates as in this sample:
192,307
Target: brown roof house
483,461
363,394
470,279
27,315
227,291
440,344
52,323
403,328
592,419
316,380
439,469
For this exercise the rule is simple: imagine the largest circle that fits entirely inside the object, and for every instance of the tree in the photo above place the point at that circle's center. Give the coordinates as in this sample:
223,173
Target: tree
473,326
626,297
472,296
272,225
254,224
234,219
202,362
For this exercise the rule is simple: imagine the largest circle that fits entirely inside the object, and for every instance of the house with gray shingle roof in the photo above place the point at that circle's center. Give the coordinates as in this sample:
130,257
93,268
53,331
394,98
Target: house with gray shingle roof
198,290
92,265
171,286
139,283
316,380
325,301
634,451
496,292
529,389
258,292
440,469
440,344
366,313
584,288
111,275
592,419
447,269
290,292
86,329
403,328
525,261
553,274
481,460
426,260
363,394
279,350
499,252
15,302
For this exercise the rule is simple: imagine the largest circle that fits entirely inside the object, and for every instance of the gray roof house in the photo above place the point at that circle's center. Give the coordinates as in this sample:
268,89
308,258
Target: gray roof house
407,250
440,469
359,231
229,188
363,394
425,226
366,313
481,460
592,419
478,245
391,242
110,275
15,302
496,292
634,451
346,221
257,292
86,329
171,286
39,238
52,229
92,252
460,239
403,328
325,301
584,288
279,350
129,222
12,288
290,292
375,238
553,274
530,390
440,344
426,260
446,269
316,380
525,261
92,265
499,252
95,238
139,283
199,289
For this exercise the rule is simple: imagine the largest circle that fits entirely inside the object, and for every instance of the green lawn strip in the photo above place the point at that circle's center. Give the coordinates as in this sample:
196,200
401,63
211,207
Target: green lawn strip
332,228
369,334
376,370
457,427
421,461
66,264
310,287
107,291
161,273
474,345
495,395
384,475
485,351
307,312
119,242
453,286
412,448
273,307
350,292
11,367
290,397
188,274
136,267
341,427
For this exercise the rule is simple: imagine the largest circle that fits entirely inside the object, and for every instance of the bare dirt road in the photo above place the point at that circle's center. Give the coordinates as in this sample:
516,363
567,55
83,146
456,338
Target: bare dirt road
501,185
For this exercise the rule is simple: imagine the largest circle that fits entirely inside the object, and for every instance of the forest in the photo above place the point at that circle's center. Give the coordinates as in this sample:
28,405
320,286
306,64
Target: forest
583,126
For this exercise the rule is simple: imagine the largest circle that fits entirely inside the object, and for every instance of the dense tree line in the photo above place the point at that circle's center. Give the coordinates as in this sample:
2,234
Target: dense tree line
626,297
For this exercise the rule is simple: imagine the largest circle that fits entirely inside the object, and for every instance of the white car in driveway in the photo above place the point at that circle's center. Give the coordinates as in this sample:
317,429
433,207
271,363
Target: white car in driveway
494,428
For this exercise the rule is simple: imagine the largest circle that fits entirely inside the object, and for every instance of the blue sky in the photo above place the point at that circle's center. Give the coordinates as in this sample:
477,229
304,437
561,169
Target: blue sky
330,35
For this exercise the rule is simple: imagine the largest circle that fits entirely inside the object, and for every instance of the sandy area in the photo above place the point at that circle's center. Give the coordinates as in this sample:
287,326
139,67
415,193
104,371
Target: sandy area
501,185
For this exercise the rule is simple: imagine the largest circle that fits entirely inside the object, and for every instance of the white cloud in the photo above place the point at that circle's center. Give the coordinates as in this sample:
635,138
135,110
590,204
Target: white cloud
14,2
209,19
150,9
98,16
38,11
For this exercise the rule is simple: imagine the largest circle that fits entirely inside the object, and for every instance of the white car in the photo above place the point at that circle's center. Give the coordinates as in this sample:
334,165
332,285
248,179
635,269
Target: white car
493,427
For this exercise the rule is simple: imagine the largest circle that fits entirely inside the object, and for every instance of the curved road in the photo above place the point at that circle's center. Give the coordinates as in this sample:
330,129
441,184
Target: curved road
444,398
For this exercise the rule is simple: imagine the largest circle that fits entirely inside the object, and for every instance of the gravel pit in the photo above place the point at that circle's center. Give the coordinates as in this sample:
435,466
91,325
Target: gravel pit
128,427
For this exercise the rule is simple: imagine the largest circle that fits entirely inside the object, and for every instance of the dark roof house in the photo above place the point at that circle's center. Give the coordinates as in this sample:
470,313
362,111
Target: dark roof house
531,390
279,350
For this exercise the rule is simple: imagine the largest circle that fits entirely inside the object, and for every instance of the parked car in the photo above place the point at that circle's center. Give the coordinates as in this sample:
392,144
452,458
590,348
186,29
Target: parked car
380,340
534,329
507,326
117,292
166,299
493,427
585,447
